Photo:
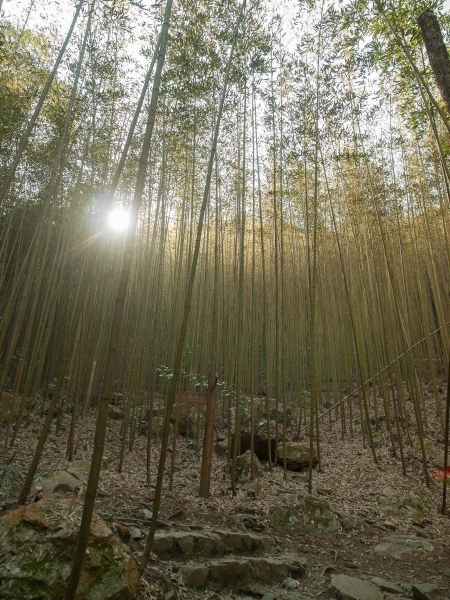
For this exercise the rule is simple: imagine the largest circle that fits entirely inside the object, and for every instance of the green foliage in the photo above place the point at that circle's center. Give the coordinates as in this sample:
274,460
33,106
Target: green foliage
369,43
23,71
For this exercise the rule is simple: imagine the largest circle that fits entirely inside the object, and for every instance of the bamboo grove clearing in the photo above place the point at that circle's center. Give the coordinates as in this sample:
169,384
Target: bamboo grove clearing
285,172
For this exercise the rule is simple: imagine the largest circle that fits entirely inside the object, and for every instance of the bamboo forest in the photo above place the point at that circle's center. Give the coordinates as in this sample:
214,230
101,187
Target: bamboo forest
224,299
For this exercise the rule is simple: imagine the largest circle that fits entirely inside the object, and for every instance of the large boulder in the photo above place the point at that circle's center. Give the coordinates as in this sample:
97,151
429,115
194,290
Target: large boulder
244,467
68,481
297,456
38,545
308,514
260,439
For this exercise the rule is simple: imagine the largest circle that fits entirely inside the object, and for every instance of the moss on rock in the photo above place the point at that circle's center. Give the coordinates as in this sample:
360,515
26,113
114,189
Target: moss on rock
39,542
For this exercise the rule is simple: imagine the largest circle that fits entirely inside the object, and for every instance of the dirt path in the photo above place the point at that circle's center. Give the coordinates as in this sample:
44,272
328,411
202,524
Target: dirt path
350,482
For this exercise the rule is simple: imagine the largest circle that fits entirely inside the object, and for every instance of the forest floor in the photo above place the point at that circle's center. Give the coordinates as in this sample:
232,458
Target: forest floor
349,481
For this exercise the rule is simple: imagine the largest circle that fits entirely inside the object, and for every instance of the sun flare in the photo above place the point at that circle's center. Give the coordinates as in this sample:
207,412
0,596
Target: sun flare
118,219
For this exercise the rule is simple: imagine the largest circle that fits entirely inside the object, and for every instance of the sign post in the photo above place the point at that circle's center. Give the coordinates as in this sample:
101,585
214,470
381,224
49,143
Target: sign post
208,441
209,400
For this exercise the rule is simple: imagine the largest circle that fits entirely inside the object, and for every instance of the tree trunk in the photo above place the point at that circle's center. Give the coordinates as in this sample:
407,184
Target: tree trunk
437,52
187,306
116,326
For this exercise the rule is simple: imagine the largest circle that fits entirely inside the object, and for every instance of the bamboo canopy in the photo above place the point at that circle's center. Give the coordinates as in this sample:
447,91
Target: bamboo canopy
288,194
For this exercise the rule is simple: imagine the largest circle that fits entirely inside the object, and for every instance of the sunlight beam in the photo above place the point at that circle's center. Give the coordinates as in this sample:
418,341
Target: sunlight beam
118,219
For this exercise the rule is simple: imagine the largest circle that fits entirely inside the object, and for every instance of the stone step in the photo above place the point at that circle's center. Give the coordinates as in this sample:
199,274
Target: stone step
344,587
236,571
208,544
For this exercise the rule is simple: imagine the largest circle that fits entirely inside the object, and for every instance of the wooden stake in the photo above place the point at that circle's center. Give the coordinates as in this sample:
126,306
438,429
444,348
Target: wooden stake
205,475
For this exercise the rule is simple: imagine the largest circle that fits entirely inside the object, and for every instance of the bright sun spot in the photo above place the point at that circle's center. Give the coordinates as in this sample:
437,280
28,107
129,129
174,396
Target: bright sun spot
118,219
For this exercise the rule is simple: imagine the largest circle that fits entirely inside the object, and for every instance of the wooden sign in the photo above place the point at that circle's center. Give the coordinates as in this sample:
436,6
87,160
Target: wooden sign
193,398
209,400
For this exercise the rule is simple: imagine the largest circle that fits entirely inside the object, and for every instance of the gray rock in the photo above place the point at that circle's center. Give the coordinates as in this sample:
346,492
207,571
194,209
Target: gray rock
246,542
253,488
243,467
285,595
256,590
260,543
145,513
209,544
122,531
115,414
260,439
396,545
68,481
348,523
253,523
424,533
39,542
428,591
235,541
184,543
135,533
351,588
194,576
221,448
308,514
297,456
393,502
60,483
163,544
290,584
235,572
80,469
296,564
276,568
387,586
178,515
230,572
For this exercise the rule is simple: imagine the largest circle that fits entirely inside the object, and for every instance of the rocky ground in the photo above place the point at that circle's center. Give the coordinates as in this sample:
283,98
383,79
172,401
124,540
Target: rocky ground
367,530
